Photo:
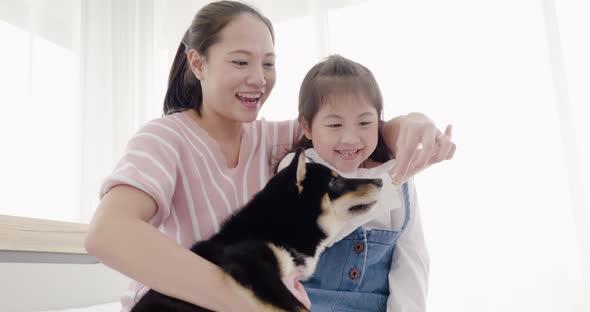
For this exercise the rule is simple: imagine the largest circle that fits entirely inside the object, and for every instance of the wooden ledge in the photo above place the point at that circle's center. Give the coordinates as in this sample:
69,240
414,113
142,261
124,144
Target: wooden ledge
20,234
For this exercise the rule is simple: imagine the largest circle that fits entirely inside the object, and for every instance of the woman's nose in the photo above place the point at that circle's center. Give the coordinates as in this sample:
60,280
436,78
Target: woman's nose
257,78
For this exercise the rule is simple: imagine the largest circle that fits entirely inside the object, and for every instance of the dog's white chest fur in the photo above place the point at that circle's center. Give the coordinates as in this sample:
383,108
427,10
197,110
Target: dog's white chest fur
288,265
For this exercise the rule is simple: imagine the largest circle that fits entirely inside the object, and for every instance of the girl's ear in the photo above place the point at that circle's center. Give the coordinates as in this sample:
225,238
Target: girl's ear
306,128
196,62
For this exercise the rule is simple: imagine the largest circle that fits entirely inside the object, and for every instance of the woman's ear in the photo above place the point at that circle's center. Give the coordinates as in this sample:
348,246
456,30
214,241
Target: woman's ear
196,61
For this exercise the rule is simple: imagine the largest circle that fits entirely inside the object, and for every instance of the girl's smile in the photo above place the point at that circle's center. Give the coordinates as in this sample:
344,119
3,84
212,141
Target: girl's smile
344,131
348,154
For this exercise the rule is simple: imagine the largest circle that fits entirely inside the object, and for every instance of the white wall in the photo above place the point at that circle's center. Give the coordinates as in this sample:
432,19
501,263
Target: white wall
34,287
506,220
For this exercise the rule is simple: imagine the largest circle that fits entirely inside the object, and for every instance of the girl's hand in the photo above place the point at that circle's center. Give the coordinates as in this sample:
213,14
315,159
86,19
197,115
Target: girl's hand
296,288
417,144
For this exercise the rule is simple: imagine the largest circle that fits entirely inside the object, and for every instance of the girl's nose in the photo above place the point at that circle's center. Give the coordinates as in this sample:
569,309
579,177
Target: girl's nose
350,137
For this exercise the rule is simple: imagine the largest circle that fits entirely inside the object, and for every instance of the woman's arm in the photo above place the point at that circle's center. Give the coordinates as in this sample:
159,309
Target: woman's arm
416,143
410,265
121,237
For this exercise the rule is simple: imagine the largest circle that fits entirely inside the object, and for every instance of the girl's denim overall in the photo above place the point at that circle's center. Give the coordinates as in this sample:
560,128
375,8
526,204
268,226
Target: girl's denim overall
352,275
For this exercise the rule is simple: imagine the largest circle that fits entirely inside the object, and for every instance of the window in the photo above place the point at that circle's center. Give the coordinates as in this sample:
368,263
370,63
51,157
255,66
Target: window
40,127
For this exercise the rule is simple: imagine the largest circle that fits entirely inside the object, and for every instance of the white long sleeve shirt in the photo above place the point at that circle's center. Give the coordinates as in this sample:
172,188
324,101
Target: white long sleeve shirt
408,276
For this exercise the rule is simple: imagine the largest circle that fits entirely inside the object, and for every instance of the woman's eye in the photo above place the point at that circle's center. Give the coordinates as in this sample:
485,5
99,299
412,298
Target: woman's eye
240,63
365,123
269,65
333,125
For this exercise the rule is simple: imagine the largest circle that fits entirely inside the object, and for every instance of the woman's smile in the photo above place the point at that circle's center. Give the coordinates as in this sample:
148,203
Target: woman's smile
250,100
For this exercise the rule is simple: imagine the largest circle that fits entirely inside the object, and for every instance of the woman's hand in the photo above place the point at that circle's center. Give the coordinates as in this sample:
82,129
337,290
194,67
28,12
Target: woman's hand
416,143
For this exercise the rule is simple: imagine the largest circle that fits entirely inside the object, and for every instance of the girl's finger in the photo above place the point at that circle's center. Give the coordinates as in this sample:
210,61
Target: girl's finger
443,148
403,160
428,149
449,131
452,151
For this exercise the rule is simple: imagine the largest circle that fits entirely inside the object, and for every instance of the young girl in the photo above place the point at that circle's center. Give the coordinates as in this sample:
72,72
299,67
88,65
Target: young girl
183,174
380,261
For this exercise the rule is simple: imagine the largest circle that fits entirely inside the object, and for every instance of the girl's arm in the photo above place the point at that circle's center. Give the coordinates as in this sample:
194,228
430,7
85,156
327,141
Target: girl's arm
121,237
410,265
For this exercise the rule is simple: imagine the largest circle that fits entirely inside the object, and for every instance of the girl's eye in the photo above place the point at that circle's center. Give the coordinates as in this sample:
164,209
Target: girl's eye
269,65
333,125
365,123
240,63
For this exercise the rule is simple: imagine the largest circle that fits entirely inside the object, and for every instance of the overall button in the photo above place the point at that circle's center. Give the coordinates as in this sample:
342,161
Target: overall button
354,273
359,247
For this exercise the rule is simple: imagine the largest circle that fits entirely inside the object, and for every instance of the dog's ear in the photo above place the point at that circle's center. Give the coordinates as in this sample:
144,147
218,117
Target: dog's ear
298,167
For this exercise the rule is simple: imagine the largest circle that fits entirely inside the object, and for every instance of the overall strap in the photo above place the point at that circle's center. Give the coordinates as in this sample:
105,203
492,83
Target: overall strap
406,196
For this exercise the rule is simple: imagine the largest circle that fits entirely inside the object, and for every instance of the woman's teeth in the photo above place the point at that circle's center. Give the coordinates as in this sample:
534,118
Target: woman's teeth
250,97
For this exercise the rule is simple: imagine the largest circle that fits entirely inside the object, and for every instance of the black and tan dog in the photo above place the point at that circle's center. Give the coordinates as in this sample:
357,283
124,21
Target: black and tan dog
281,231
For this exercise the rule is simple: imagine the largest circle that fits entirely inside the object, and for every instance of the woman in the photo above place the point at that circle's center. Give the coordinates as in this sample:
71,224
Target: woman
187,171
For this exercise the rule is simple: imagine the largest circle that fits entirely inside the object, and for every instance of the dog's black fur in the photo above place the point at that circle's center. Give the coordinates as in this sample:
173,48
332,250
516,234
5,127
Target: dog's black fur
284,226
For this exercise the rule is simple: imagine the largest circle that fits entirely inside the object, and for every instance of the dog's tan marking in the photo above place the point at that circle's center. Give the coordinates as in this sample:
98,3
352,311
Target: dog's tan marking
364,194
301,170
299,187
336,213
330,221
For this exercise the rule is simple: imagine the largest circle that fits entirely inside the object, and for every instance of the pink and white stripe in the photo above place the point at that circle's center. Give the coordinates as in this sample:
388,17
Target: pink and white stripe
176,162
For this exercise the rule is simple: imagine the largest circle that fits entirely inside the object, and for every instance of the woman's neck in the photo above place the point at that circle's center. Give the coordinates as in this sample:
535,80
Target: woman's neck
227,134
220,129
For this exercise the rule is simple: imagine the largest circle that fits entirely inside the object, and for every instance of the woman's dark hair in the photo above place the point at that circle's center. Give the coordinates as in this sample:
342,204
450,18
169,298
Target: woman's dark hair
184,89
337,75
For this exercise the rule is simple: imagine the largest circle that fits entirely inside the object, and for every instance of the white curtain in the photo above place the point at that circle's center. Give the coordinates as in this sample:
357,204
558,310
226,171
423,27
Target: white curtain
506,221
40,127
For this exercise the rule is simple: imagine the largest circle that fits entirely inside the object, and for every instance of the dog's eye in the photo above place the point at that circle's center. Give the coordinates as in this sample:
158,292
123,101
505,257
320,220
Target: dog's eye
332,183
